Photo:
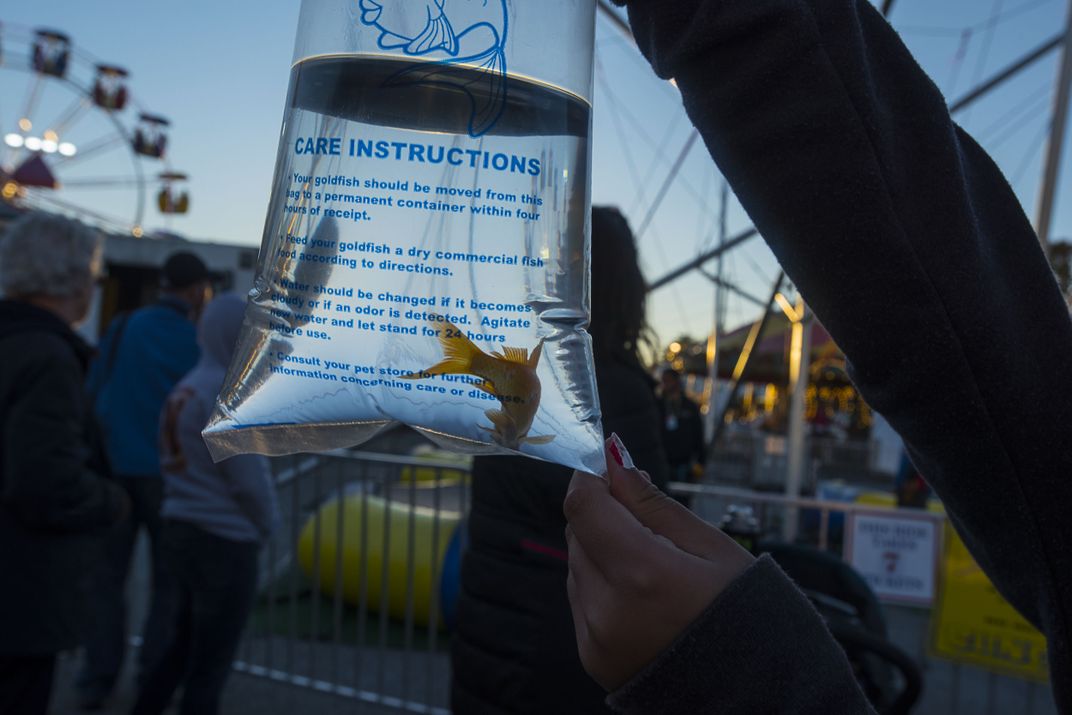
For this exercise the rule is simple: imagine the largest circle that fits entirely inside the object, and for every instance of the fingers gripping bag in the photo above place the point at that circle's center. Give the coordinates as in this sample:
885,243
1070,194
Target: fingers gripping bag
425,258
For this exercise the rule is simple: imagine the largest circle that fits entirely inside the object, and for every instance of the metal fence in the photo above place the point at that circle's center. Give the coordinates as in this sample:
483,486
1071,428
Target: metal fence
948,687
323,622
306,632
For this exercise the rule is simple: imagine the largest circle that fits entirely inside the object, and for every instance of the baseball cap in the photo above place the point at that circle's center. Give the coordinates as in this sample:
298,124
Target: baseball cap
183,269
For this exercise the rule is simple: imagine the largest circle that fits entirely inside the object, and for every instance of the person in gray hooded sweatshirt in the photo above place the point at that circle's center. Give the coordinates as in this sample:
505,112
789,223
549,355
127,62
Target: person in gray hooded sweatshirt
216,517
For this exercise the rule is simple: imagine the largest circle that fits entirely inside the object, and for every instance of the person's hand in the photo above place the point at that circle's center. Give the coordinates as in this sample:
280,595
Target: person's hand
642,568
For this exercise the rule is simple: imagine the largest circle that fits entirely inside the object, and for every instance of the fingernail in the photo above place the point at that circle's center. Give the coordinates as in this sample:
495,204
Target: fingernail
620,453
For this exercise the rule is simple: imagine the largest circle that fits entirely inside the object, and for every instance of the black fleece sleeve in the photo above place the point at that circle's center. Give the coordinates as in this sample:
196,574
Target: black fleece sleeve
760,647
912,250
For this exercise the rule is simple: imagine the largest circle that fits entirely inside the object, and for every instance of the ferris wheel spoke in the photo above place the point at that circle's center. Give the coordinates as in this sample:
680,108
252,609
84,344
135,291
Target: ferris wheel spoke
105,182
34,94
109,141
46,201
75,111
22,121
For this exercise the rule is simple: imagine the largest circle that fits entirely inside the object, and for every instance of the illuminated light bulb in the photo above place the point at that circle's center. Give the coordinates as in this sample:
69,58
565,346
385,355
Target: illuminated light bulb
32,143
51,136
13,140
25,124
68,149
48,146
137,232
9,190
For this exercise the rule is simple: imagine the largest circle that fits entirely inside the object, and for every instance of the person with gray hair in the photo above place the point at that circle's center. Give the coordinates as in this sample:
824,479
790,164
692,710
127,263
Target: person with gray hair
46,256
54,488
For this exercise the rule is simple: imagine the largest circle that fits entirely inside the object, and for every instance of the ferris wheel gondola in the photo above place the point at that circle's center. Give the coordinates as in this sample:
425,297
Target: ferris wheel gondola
150,136
51,53
110,88
69,144
172,200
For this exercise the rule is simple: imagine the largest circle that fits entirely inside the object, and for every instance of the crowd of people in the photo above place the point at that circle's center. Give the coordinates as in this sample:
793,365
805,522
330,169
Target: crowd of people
125,421
874,201
100,445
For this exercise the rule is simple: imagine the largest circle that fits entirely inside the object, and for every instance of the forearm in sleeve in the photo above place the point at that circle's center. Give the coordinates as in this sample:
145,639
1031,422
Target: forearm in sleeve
760,647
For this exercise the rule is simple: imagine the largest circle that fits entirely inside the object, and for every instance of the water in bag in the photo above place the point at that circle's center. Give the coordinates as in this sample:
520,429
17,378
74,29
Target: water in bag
424,261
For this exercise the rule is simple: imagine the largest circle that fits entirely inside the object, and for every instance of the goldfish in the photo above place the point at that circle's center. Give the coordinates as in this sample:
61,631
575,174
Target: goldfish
510,377
470,32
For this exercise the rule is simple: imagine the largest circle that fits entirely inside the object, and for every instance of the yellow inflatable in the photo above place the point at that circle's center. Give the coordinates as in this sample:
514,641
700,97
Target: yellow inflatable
883,499
428,476
886,499
385,523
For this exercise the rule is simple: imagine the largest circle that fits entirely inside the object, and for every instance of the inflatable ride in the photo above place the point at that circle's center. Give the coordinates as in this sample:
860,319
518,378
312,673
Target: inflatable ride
388,546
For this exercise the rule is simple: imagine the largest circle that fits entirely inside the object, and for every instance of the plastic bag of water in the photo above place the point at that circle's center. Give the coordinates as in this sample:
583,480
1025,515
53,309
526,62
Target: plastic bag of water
425,255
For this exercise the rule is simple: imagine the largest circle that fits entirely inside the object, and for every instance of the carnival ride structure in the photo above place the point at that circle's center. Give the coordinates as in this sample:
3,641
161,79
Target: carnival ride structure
78,142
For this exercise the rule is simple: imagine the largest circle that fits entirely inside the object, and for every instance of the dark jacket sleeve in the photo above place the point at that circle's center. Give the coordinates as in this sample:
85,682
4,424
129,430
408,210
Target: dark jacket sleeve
743,655
914,252
48,484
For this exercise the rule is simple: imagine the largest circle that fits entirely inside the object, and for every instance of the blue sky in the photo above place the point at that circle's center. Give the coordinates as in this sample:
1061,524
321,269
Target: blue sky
219,71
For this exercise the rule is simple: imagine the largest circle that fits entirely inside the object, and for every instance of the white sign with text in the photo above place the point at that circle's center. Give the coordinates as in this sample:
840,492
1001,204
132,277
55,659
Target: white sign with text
896,555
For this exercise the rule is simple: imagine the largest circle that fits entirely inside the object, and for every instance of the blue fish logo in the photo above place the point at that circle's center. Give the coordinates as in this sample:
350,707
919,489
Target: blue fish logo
468,32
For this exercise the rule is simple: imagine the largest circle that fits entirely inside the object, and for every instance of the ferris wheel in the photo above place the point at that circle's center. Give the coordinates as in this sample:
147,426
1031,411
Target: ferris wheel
74,139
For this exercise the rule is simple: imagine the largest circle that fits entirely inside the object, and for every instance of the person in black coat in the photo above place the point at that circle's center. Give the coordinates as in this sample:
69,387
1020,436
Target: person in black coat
683,438
514,650
53,490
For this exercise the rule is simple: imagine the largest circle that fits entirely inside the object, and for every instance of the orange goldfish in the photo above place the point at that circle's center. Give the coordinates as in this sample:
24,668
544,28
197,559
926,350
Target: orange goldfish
509,377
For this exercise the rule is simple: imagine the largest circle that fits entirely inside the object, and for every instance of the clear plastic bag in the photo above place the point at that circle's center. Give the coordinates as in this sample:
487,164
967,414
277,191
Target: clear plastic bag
425,256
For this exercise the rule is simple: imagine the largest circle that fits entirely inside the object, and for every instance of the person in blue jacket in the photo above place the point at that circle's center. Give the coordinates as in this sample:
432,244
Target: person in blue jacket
141,358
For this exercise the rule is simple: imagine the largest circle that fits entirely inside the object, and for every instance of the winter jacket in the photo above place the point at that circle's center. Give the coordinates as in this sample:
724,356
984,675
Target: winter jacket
515,650
915,254
54,498
142,356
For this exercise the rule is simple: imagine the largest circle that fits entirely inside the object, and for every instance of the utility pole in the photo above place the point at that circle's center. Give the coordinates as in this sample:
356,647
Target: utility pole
796,452
719,328
1051,173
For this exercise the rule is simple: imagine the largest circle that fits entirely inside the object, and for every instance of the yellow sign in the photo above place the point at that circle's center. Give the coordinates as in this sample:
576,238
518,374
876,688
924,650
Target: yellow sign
974,624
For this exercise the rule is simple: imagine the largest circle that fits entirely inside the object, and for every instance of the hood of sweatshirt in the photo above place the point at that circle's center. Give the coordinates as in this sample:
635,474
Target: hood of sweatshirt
217,334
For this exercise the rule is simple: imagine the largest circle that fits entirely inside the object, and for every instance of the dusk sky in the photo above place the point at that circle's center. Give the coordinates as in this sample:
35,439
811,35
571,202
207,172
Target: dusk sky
219,71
